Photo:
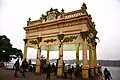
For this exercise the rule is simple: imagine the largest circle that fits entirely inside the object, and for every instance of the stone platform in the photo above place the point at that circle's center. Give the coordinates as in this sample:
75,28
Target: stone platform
8,75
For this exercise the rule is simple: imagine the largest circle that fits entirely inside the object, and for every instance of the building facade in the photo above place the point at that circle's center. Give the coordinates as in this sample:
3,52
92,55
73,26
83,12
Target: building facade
60,31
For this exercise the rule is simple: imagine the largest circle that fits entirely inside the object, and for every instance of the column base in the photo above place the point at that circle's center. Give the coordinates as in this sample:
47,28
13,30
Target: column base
37,69
99,69
91,72
60,71
96,70
85,73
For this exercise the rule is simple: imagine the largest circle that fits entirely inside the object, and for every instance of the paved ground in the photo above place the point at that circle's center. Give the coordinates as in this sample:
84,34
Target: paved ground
8,75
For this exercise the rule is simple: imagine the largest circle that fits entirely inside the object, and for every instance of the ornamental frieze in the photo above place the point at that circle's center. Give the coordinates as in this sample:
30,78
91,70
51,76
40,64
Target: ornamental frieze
33,42
36,41
70,38
50,40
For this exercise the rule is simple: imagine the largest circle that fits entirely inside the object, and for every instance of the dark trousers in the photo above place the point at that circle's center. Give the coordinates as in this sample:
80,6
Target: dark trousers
23,72
107,78
55,72
15,74
48,76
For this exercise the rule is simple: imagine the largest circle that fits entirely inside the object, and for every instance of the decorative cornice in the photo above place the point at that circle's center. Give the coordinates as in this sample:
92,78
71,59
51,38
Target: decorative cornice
58,21
57,24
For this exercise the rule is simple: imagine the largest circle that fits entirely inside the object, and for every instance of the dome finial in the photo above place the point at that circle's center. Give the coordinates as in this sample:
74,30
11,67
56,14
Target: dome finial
29,19
84,5
51,9
62,10
84,9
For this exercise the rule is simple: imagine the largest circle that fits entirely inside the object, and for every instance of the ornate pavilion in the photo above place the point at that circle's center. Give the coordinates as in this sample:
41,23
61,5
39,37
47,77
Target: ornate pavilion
60,31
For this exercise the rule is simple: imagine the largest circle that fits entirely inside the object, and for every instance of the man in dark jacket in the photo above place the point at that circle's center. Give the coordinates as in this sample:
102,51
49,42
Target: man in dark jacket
24,67
107,74
16,68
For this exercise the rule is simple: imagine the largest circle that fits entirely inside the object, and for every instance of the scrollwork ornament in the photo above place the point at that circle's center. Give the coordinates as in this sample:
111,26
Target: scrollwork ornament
84,35
33,42
50,40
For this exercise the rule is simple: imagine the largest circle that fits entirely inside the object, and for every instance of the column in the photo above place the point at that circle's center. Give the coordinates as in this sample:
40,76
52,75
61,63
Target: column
25,48
60,62
25,52
85,65
38,63
95,61
48,51
77,54
91,63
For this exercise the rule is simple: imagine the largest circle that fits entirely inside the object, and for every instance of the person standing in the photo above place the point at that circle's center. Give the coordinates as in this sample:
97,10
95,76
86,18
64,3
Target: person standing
16,68
48,72
53,67
56,67
107,74
24,67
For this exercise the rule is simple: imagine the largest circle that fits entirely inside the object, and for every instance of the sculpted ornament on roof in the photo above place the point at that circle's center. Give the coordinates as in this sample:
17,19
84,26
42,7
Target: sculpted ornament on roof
51,14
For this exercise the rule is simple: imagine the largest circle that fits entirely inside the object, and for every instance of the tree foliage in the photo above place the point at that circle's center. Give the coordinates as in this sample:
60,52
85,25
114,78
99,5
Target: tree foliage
7,52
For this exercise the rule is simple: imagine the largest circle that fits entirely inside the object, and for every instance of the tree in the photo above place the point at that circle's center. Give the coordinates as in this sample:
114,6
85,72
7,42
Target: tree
16,53
7,51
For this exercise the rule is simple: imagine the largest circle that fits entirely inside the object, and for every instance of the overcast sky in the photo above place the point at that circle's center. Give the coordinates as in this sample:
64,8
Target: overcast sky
106,15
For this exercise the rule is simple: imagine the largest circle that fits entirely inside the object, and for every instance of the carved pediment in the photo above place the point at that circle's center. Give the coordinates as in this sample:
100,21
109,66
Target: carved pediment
52,14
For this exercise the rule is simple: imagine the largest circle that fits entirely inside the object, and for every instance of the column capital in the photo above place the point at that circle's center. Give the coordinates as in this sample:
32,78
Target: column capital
84,35
39,39
60,37
38,48
25,40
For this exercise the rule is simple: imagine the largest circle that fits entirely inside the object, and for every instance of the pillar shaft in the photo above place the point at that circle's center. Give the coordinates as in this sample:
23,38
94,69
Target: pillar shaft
85,66
95,61
77,54
91,61
48,51
38,62
95,57
25,52
84,61
60,62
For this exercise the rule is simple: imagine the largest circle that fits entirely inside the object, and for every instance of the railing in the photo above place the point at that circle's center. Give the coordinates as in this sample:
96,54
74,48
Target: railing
72,14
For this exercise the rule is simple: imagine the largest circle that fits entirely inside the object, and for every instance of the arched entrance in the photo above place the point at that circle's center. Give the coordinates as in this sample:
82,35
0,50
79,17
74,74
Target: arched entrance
61,31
